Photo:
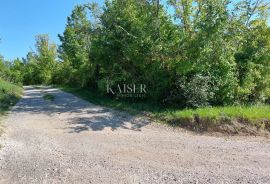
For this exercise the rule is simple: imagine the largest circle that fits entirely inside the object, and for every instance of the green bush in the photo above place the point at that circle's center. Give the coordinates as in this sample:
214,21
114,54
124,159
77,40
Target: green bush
190,92
9,94
214,53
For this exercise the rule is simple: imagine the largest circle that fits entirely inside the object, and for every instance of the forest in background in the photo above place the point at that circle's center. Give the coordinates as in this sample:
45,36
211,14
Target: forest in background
198,53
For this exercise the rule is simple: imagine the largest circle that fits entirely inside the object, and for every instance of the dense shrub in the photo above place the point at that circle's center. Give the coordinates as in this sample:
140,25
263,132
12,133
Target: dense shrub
190,92
9,94
211,53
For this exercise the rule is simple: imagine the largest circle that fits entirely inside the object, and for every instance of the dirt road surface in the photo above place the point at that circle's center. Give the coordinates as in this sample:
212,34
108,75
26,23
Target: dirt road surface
69,140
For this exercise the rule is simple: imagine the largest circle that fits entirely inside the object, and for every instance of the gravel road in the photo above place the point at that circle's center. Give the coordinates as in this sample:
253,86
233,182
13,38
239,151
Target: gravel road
69,140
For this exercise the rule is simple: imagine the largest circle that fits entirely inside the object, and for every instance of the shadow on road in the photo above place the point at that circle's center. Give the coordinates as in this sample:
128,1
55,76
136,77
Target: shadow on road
79,114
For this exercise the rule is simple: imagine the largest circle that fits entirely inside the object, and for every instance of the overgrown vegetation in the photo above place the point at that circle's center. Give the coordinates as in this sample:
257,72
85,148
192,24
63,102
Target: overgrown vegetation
9,95
203,53
188,53
214,118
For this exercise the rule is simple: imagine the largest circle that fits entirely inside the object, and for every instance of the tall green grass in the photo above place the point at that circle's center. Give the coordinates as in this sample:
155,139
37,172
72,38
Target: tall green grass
209,118
9,95
253,112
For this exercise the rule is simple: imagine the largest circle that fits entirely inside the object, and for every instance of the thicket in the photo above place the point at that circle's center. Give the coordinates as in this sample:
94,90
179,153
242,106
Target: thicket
189,53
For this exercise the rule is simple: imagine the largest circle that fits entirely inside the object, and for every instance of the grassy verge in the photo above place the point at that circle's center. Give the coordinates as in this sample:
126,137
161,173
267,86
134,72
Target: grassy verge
9,95
228,120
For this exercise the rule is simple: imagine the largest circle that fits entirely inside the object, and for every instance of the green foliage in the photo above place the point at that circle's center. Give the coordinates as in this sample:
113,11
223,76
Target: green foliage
213,53
132,43
191,92
246,120
205,52
9,94
253,65
39,66
74,50
245,112
11,71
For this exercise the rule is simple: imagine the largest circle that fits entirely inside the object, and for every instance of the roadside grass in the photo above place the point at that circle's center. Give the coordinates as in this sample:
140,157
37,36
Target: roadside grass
48,96
9,95
245,112
205,119
240,118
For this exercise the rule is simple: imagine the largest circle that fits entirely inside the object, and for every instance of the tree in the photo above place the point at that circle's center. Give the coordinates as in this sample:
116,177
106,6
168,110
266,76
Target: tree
39,66
134,45
75,46
46,54
205,25
252,55
213,52
16,69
